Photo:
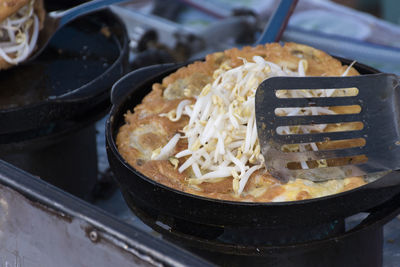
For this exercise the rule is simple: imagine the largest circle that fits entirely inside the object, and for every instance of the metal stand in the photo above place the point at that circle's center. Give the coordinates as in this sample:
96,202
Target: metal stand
358,248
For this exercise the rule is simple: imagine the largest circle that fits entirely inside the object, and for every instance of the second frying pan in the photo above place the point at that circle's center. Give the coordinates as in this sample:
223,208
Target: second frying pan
72,76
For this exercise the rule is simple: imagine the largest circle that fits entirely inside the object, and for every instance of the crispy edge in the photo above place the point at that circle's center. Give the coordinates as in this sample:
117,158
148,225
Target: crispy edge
320,63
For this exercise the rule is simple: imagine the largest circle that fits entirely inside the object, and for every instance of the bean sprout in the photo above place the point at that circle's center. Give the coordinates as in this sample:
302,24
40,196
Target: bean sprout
19,35
221,133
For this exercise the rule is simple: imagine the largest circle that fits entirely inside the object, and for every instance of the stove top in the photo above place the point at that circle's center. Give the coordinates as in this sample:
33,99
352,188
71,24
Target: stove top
204,242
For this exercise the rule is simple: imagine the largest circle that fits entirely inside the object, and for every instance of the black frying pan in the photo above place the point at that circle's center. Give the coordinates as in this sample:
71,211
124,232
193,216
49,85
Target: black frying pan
72,76
129,91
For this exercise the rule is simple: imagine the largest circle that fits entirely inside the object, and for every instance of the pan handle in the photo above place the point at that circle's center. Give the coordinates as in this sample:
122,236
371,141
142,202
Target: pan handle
73,13
380,215
124,85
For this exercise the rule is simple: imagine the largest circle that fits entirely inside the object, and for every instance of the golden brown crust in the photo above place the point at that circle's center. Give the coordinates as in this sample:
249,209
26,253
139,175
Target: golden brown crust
353,182
198,74
4,64
9,7
146,131
40,11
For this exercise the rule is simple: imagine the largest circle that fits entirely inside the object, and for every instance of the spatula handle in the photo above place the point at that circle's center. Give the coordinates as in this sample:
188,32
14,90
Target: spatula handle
277,23
80,10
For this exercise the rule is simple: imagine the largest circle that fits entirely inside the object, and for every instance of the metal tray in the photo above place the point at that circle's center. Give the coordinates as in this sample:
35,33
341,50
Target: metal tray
42,225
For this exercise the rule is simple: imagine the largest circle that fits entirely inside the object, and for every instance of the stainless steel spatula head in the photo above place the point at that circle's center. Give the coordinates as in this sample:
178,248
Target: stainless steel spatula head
299,141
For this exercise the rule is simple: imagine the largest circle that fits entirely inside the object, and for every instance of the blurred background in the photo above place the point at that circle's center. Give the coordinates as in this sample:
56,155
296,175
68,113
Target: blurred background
178,30
385,9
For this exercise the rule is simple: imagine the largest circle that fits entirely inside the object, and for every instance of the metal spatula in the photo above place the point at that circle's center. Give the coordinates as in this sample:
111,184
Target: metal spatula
373,148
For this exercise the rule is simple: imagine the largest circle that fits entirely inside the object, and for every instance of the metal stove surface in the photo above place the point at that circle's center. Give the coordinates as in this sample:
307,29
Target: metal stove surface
116,205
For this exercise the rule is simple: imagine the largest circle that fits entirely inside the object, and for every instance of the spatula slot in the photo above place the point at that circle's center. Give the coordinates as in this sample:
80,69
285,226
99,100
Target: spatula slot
318,137
317,128
317,111
324,163
311,93
341,144
324,146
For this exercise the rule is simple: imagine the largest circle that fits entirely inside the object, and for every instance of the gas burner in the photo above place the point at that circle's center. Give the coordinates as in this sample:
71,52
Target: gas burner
330,244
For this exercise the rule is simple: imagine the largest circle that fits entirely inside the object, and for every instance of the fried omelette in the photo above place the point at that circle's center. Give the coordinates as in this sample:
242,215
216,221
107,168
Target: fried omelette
162,135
